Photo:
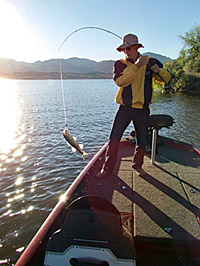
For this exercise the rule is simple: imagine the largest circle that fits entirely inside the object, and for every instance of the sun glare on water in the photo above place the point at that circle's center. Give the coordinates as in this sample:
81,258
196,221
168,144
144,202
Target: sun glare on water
17,40
9,116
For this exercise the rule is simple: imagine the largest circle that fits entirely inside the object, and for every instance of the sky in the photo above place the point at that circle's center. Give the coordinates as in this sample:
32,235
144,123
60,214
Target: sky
33,30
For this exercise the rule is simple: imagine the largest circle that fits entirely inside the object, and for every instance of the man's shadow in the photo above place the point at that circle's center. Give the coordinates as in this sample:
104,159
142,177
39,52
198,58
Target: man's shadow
115,183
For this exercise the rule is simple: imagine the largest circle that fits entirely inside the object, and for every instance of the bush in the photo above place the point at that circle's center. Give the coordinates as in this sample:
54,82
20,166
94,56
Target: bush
185,70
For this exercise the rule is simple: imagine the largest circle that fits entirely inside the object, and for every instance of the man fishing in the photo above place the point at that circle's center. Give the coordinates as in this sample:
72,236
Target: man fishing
134,76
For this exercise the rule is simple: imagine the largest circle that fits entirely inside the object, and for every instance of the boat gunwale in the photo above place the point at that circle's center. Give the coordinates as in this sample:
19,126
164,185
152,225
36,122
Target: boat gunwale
36,242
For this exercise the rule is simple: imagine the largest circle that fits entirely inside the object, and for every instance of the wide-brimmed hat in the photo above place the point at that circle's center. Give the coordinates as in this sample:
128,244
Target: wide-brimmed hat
129,39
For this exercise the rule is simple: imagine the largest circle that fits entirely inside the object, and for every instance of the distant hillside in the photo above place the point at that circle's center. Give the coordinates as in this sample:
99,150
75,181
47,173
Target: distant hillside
72,68
160,57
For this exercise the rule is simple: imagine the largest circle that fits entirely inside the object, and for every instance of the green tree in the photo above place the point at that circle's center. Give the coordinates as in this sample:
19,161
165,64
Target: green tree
185,70
191,48
191,42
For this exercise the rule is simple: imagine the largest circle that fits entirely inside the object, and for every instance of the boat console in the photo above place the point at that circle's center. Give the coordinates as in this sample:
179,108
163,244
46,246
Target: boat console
91,234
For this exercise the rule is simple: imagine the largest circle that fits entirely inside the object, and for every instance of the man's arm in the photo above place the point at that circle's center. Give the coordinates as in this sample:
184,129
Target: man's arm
159,73
124,75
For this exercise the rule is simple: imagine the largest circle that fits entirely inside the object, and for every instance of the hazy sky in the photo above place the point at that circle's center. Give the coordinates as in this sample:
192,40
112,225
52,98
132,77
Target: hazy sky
33,30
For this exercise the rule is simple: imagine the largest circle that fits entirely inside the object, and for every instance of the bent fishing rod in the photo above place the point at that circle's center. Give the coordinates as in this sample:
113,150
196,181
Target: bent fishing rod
85,28
68,137
65,40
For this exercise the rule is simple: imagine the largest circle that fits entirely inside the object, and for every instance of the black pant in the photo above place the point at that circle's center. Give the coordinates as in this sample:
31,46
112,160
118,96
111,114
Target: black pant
140,119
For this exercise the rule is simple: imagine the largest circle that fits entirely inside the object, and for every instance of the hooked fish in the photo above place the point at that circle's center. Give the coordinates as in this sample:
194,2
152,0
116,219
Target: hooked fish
72,142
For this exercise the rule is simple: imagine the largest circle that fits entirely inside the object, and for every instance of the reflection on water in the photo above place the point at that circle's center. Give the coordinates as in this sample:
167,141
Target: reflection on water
12,145
9,117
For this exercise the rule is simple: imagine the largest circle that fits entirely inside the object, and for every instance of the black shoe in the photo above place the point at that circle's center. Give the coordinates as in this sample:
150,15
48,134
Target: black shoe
138,169
136,166
103,174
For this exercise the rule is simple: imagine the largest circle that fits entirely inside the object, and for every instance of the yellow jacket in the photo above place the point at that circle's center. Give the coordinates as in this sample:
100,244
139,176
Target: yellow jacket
135,84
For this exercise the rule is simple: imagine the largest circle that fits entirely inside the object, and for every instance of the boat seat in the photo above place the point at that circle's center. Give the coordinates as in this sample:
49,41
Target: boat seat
160,121
156,122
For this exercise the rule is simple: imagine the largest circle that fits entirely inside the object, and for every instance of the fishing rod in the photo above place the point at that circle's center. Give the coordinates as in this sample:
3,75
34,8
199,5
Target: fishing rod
60,64
68,137
85,28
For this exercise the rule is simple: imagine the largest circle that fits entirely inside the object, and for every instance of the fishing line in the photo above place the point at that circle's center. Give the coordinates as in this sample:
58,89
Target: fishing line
63,96
60,63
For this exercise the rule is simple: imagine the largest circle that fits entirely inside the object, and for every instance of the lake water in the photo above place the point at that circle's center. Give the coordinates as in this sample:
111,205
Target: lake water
37,165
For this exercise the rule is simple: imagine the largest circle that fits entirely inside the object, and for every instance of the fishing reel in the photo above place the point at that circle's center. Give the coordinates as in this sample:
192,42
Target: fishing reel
167,88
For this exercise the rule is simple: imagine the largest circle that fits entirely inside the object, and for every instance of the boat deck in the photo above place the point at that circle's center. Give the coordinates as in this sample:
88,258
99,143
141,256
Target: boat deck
160,208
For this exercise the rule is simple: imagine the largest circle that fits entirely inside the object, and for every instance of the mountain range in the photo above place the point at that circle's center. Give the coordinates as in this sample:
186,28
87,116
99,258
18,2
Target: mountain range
72,68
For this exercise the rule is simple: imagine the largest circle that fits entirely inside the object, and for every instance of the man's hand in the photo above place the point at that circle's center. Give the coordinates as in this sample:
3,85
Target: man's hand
155,68
142,61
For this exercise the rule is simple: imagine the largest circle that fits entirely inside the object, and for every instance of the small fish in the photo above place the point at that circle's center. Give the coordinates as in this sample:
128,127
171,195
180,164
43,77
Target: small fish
72,142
